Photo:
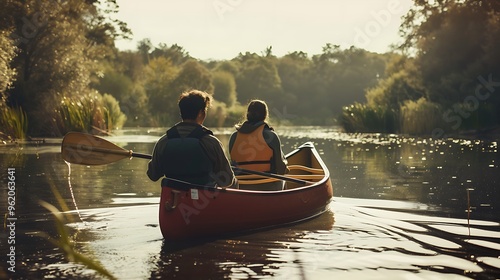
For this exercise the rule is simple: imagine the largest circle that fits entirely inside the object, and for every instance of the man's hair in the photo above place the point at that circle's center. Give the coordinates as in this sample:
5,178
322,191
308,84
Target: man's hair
192,102
257,111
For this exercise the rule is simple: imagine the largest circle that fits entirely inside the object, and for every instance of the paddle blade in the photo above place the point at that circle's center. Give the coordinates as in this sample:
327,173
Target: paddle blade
87,149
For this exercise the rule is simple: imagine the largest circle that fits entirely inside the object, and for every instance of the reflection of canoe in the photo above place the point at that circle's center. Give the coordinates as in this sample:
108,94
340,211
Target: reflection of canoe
188,211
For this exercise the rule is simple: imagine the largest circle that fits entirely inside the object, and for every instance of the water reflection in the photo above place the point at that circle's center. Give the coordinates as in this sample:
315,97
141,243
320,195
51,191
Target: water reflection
127,241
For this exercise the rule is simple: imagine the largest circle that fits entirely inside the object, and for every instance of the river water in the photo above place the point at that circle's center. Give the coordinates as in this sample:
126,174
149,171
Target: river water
403,208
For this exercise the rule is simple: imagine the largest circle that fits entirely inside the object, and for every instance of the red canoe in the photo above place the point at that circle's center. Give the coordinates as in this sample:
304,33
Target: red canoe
188,211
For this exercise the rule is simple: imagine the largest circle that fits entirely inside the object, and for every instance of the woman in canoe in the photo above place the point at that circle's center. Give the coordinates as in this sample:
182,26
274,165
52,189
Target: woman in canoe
255,146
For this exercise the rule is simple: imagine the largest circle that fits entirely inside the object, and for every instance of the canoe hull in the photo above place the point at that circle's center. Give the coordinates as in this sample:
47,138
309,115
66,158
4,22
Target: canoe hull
197,213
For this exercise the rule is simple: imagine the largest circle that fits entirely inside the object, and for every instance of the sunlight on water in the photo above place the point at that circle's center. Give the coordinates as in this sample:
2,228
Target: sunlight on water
123,238
464,231
493,262
133,200
66,269
71,191
434,241
485,244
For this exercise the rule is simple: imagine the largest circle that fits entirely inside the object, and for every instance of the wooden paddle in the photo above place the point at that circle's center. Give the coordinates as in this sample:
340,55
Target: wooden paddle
87,149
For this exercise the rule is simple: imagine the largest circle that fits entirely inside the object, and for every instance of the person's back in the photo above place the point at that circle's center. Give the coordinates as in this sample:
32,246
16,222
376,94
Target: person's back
189,152
183,156
255,146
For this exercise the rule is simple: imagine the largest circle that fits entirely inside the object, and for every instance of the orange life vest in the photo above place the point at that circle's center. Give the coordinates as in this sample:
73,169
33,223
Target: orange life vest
250,151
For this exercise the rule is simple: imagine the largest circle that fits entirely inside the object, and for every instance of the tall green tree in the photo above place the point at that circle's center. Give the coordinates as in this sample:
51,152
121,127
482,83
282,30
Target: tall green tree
193,75
295,71
330,80
123,77
451,64
7,73
131,95
402,83
454,43
177,54
164,83
258,78
144,48
230,66
59,43
224,87
158,77
12,120
130,64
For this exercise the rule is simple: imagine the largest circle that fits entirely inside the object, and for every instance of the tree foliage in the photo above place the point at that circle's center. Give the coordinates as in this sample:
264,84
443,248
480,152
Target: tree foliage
7,52
193,75
450,65
453,44
398,87
58,44
258,78
55,55
224,87
159,75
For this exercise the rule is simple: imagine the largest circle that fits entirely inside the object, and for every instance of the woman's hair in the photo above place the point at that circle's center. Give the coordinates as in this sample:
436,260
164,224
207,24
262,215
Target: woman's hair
192,102
257,111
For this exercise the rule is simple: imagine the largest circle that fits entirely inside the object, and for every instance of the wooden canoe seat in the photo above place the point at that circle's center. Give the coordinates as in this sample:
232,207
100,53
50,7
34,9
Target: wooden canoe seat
305,168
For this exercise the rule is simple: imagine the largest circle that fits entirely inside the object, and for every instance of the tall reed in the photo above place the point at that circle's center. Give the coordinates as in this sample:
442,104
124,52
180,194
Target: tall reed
13,122
89,113
113,116
363,118
420,117
80,114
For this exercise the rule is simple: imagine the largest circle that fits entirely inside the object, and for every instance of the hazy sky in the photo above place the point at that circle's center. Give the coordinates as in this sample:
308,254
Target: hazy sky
220,29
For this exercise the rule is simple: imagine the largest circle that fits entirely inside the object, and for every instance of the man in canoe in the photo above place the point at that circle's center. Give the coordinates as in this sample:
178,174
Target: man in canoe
189,152
255,146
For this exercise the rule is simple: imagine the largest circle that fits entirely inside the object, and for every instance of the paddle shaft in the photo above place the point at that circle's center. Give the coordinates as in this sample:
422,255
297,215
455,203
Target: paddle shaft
80,148
139,155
